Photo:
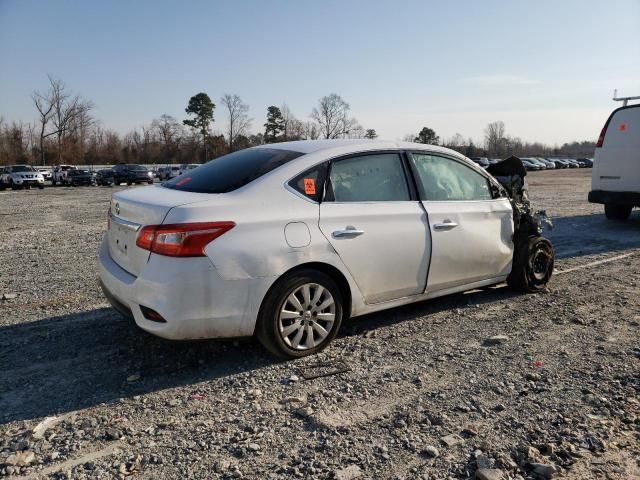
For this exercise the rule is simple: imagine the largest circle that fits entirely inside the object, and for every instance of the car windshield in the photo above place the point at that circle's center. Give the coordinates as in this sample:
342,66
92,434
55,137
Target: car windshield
137,168
22,168
231,171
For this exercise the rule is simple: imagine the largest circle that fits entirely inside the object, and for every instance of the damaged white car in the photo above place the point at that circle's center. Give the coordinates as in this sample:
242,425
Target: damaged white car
286,241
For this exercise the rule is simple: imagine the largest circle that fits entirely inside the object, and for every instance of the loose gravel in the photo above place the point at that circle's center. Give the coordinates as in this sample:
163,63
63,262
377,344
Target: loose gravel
487,384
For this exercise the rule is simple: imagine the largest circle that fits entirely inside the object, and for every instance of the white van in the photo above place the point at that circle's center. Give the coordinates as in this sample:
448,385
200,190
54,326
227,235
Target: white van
615,180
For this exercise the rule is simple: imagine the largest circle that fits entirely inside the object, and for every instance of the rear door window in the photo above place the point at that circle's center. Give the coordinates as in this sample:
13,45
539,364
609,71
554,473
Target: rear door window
376,177
231,171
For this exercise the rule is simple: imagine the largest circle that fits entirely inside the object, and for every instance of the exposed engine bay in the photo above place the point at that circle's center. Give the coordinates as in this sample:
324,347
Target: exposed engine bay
533,254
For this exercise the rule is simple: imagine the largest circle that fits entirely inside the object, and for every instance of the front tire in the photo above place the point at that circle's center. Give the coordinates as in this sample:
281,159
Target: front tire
532,265
614,211
300,315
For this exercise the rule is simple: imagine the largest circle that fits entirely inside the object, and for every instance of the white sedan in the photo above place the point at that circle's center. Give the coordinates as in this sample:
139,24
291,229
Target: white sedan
285,241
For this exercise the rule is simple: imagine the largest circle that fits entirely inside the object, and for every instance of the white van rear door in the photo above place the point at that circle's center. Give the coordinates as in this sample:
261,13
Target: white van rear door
617,162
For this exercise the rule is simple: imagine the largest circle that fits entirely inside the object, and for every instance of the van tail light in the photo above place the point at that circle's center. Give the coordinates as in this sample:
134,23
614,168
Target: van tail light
603,132
181,239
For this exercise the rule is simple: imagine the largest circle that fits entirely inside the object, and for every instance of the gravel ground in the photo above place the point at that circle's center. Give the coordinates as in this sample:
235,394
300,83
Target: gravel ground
486,384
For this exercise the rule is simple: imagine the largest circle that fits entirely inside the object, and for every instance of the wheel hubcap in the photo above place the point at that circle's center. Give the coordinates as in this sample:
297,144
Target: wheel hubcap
540,264
307,316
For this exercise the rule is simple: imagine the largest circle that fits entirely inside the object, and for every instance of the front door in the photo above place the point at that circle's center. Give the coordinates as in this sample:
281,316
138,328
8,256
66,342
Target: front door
471,232
378,231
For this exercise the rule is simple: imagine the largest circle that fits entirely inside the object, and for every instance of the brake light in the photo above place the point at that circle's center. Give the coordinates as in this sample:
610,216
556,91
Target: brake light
603,132
181,239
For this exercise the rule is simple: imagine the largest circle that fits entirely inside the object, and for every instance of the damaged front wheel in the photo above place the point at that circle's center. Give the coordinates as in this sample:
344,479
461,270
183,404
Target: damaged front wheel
532,265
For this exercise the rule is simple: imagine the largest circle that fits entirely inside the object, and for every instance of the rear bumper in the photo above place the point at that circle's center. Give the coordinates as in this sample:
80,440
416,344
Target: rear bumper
188,293
617,198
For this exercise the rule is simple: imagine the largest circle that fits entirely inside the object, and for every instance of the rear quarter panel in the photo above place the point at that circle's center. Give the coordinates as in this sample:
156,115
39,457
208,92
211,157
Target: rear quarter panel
257,246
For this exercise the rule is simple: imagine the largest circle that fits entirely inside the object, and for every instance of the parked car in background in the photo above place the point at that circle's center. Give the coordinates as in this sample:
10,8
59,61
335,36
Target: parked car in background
585,162
529,165
18,177
481,161
78,177
278,240
105,177
615,179
560,163
168,172
187,166
548,163
130,174
572,163
46,173
59,174
536,161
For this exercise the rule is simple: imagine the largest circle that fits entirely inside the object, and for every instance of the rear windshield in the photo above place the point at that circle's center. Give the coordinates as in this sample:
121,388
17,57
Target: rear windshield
231,171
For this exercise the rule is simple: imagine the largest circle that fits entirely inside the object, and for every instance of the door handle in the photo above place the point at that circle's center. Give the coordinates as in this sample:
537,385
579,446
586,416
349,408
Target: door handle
445,225
348,232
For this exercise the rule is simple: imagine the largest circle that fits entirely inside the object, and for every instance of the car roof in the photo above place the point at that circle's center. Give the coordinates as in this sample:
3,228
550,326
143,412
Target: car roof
355,145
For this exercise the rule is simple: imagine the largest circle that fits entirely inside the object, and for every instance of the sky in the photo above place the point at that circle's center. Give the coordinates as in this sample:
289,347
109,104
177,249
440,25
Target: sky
546,68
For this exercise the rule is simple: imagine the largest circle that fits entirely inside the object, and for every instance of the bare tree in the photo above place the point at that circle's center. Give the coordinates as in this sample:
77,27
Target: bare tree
494,138
332,117
44,105
170,132
311,131
66,110
239,121
356,131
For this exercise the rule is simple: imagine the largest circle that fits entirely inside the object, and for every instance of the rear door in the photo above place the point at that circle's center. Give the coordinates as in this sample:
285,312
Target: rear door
617,162
375,224
471,232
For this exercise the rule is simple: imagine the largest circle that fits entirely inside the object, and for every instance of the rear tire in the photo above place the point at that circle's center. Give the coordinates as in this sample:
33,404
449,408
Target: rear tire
300,315
615,211
532,265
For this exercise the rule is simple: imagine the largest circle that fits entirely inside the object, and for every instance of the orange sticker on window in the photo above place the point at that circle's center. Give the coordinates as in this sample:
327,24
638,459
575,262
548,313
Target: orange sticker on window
309,186
183,181
623,127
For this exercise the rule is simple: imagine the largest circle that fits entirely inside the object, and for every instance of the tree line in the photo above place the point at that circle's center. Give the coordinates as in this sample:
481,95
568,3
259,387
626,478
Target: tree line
65,132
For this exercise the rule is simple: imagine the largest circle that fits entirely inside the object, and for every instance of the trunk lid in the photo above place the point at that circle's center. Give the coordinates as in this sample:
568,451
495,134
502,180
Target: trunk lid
134,208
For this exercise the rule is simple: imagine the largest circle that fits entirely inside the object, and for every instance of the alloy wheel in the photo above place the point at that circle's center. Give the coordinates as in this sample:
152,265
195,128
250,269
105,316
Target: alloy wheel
306,316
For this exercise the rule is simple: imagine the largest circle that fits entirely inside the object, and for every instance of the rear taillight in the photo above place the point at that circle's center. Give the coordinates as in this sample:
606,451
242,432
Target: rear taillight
603,132
181,239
